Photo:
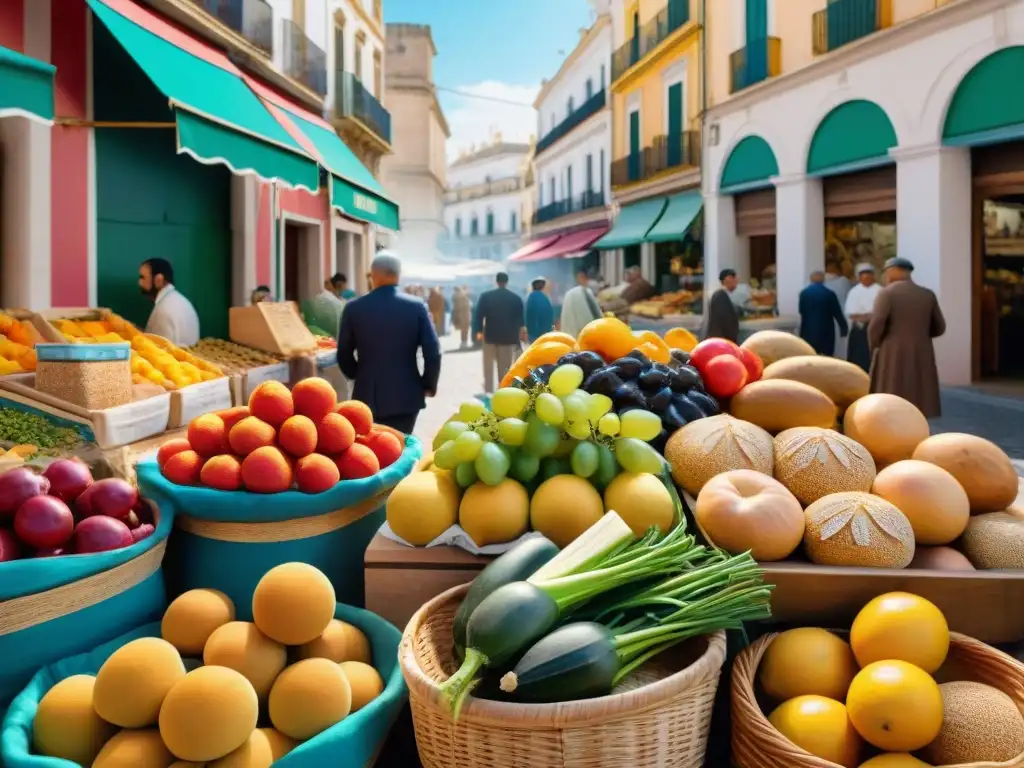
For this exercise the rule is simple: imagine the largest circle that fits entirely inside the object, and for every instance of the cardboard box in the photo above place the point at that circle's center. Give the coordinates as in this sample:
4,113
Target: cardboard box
253,377
274,327
197,399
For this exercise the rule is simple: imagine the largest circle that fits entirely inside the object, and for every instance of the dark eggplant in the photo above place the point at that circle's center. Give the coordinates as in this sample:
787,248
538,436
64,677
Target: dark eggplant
672,419
680,357
636,354
603,381
629,394
653,379
687,408
543,372
630,367
707,404
589,361
659,401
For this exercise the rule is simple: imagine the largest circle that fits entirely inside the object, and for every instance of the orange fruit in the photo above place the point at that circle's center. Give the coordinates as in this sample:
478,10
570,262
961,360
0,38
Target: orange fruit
561,338
652,345
537,355
680,338
820,726
894,760
609,337
807,661
895,706
899,625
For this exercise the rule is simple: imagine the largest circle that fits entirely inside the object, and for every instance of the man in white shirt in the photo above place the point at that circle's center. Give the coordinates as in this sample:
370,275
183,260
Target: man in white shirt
860,303
173,316
840,285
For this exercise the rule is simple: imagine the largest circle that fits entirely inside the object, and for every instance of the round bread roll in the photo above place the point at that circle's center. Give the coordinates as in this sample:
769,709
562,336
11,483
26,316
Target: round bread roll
857,529
708,447
931,498
887,425
779,405
979,465
813,462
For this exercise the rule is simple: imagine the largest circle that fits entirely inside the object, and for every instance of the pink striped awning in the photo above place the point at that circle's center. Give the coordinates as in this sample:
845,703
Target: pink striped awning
526,252
569,245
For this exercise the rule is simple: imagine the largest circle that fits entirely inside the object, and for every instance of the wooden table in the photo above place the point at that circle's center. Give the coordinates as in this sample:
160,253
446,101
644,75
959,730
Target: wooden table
400,579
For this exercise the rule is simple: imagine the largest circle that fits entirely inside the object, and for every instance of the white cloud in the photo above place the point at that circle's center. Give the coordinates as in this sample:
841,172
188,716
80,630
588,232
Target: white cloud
474,120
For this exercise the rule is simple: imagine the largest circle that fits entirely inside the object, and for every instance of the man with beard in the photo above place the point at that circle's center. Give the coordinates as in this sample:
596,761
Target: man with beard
173,316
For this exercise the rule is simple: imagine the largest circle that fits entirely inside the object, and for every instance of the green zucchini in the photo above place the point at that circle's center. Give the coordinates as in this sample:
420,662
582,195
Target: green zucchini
576,661
509,619
518,564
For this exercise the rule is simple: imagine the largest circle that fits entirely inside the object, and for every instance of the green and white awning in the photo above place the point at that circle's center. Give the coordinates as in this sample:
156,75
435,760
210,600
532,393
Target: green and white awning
632,224
683,209
26,87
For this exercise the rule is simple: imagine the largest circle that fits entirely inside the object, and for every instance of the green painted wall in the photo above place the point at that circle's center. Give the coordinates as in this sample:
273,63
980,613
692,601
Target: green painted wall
152,202
984,101
854,132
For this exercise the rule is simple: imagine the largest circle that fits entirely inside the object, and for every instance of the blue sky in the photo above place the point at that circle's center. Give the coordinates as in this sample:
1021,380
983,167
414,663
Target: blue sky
494,49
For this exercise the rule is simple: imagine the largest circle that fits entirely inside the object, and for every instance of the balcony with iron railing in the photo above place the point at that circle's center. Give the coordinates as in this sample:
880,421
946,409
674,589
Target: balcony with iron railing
755,63
666,152
844,21
486,189
589,108
674,15
252,19
560,208
303,59
354,100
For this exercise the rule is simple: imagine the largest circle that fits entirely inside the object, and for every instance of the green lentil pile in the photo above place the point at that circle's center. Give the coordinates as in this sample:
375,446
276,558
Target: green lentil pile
21,428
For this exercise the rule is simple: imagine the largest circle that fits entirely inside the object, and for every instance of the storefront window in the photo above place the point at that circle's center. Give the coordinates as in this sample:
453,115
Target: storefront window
1002,298
631,256
849,242
679,271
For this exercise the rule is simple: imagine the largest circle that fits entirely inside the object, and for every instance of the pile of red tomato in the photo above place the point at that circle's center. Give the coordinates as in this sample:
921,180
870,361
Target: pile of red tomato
725,367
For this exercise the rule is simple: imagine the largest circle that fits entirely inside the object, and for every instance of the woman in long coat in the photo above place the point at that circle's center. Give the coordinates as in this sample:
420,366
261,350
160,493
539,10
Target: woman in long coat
461,317
436,305
906,318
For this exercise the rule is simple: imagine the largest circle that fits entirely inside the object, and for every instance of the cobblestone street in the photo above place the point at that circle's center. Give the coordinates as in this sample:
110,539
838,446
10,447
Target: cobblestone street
461,379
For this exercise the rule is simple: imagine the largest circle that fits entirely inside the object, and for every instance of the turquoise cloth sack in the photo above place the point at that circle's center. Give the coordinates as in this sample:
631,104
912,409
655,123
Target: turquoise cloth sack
352,743
51,608
228,540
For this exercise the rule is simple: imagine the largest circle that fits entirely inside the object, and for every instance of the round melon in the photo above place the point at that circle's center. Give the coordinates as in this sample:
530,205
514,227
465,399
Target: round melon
210,713
261,749
133,682
191,618
134,749
813,462
495,514
293,603
931,498
708,447
940,559
365,682
887,425
66,724
240,646
857,529
641,500
840,381
772,346
309,697
563,507
980,724
423,506
778,405
995,540
339,642
979,465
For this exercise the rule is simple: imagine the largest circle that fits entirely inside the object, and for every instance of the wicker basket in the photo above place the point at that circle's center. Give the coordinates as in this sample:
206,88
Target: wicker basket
756,743
658,717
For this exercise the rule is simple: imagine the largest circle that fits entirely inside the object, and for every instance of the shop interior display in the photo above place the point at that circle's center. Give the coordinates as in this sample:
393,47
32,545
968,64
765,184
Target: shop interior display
215,691
231,356
300,438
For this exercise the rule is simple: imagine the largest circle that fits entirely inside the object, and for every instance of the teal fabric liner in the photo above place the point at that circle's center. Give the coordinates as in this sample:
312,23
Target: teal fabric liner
33,575
235,568
26,85
83,430
24,652
245,507
632,224
206,89
683,209
352,743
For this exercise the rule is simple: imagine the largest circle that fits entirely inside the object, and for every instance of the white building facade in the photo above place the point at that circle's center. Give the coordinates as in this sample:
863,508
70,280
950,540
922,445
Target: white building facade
488,201
911,126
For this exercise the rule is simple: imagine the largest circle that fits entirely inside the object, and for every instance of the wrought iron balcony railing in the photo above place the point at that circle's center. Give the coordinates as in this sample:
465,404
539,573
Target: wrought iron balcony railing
675,14
561,208
666,152
352,99
252,19
844,21
303,60
756,62
590,107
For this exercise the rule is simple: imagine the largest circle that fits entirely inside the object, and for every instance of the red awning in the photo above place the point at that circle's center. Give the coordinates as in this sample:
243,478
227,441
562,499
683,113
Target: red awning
571,244
531,248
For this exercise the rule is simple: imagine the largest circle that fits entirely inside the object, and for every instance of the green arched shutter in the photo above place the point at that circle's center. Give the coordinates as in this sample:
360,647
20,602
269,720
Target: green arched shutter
750,163
856,133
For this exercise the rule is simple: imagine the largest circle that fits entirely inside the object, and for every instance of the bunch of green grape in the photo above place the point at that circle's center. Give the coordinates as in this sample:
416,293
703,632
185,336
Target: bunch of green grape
555,429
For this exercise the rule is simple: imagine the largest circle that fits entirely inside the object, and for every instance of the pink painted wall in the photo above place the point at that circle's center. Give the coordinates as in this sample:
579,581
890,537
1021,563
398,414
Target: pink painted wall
12,24
69,171
318,207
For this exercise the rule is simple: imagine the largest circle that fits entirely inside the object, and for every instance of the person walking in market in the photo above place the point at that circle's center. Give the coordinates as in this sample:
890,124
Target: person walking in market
461,317
579,306
340,283
721,320
840,285
436,305
540,316
173,315
820,311
499,323
905,319
860,303
379,340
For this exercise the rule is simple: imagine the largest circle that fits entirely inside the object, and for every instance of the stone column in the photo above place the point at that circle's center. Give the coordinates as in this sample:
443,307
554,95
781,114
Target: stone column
800,238
647,265
245,191
933,230
723,248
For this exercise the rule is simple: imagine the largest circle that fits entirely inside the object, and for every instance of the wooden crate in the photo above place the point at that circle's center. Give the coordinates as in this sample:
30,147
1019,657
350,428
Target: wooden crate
400,579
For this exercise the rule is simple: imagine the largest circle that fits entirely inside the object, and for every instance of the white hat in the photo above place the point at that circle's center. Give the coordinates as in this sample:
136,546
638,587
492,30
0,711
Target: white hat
865,267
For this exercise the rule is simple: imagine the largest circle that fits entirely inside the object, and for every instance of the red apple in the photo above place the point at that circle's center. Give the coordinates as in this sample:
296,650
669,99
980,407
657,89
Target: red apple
17,486
753,364
53,552
724,376
709,349
68,479
10,547
100,533
144,531
112,497
44,522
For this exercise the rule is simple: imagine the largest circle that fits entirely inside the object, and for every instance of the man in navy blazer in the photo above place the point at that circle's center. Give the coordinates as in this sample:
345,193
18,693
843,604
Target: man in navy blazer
378,342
